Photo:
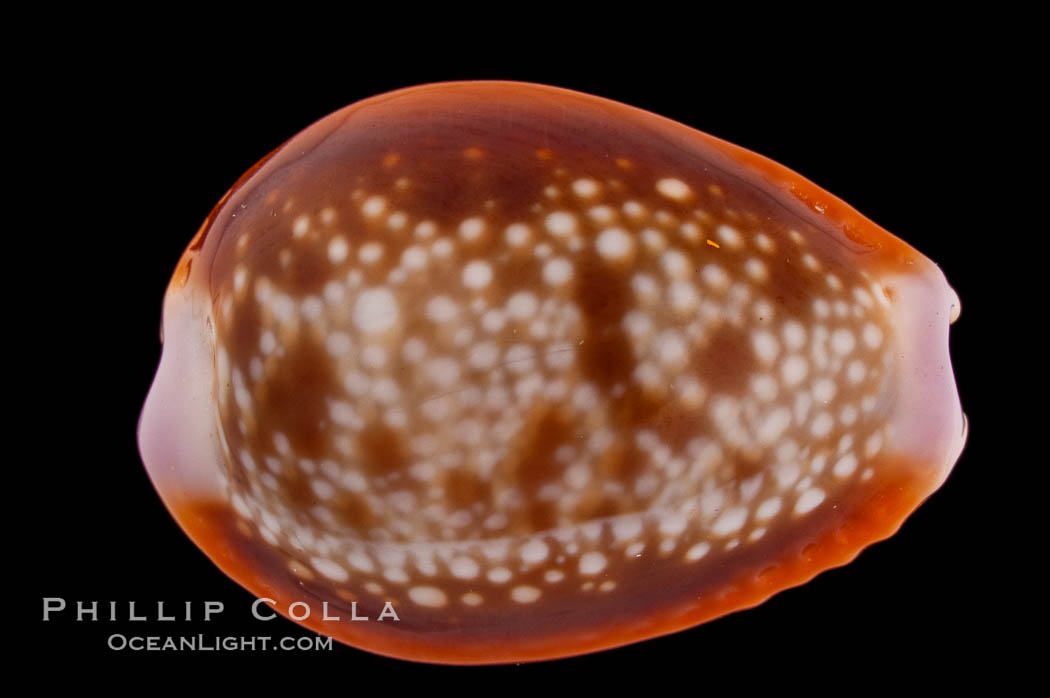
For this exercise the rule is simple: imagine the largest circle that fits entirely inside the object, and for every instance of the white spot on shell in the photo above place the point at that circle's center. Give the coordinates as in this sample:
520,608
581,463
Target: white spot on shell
557,271
441,309
585,188
768,509
330,569
697,551
715,277
602,214
361,562
794,335
614,244
373,207
471,229
499,575
627,528
809,500
375,310
774,425
525,594
517,234
337,249
872,335
794,370
873,445
675,264
442,248
464,568
684,297
592,563
674,189
425,230
756,269
431,597
653,240
477,274
765,345
856,372
443,371
842,341
522,305
534,551
731,521
414,258
730,237
560,224
821,425
845,466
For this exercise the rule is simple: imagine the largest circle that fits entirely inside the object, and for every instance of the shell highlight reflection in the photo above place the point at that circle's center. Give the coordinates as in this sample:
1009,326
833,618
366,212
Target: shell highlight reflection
547,373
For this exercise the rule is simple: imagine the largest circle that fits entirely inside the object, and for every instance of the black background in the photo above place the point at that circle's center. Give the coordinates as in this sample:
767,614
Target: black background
136,144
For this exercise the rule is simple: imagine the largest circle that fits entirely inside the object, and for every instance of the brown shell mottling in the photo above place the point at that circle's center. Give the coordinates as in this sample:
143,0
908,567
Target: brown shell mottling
542,373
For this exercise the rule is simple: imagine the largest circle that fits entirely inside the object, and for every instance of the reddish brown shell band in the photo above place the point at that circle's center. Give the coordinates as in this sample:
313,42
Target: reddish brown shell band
546,373
832,542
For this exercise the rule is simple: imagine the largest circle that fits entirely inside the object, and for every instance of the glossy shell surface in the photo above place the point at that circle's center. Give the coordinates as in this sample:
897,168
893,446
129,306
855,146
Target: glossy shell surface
541,372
